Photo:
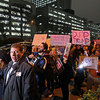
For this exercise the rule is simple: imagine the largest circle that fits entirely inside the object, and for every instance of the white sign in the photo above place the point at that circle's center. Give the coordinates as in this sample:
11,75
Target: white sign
88,62
66,52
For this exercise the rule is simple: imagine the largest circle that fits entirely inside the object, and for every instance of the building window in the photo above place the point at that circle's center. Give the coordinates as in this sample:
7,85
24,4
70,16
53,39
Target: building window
17,34
26,34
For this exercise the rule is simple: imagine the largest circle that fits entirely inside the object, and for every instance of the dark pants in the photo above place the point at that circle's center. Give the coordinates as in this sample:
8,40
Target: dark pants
50,85
1,89
41,83
50,79
64,82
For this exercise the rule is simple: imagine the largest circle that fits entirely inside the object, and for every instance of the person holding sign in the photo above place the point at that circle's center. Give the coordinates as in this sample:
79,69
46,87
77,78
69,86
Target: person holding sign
94,75
39,62
65,76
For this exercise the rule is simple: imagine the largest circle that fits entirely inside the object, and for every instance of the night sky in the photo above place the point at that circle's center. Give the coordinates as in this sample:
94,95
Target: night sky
89,9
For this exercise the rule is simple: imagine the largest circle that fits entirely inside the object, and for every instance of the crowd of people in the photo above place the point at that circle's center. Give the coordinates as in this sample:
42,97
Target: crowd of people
32,76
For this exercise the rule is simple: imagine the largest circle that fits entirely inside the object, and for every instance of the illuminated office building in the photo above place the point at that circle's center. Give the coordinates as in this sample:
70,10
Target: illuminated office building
62,4
15,18
53,17
56,17
55,21
94,29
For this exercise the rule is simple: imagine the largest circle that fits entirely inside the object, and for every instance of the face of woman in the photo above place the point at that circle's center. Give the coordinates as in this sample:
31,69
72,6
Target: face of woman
1,63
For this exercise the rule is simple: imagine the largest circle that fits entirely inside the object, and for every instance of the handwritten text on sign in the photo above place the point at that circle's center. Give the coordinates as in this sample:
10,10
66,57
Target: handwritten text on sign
88,62
81,37
66,52
60,40
39,38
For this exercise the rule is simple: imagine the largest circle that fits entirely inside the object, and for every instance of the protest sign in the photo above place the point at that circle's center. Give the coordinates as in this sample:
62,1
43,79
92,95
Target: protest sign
81,37
60,40
67,49
39,38
88,62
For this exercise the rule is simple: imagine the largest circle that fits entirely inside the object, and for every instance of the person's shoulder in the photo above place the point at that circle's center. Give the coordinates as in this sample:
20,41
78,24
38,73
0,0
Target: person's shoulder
26,65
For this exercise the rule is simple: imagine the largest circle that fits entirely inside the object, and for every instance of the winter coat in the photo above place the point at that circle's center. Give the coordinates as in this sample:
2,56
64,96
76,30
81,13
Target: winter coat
21,84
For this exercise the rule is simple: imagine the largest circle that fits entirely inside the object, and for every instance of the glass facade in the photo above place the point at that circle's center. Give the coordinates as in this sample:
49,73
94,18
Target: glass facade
14,19
56,17
94,29
58,21
42,3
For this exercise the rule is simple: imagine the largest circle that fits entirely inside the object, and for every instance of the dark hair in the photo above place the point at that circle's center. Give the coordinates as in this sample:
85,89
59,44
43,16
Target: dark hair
17,45
4,56
45,46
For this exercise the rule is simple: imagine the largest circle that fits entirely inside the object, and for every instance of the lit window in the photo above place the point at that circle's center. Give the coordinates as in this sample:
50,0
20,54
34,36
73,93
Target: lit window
28,6
63,14
55,15
24,19
59,13
49,30
40,23
3,4
63,18
28,30
7,33
18,13
14,33
55,11
26,34
6,0
50,14
39,15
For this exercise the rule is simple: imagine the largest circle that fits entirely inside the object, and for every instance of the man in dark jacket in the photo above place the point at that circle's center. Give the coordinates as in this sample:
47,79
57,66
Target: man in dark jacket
19,77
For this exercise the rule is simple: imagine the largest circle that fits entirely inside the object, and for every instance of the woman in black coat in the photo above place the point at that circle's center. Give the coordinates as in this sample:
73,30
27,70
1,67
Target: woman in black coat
65,77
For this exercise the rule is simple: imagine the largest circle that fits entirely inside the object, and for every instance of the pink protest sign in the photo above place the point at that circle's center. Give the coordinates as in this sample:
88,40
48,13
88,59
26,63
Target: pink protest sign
81,37
60,40
39,38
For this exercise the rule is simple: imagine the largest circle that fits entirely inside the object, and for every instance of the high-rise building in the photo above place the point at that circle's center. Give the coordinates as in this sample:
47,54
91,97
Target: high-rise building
15,16
42,3
56,17
55,21
62,4
93,28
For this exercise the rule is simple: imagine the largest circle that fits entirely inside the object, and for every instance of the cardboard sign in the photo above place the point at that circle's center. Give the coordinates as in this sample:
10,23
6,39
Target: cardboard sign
88,62
60,40
81,37
39,38
66,52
